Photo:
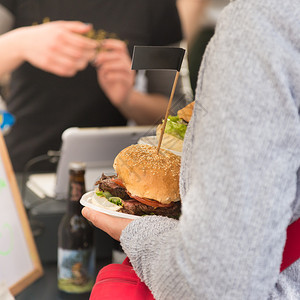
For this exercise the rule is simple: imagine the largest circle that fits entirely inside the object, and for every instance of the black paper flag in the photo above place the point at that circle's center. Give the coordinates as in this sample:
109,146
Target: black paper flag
157,57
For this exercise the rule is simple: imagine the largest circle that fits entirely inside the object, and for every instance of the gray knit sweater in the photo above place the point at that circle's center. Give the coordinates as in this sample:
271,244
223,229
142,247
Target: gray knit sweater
239,182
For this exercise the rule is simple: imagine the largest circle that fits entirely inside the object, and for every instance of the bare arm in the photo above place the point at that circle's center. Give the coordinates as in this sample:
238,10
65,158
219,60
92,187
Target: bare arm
190,12
10,56
143,108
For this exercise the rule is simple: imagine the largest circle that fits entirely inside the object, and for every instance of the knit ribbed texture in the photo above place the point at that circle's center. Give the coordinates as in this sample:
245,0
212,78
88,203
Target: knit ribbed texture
239,168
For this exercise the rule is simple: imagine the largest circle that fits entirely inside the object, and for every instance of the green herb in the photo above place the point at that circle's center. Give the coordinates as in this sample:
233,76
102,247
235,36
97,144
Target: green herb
115,200
100,193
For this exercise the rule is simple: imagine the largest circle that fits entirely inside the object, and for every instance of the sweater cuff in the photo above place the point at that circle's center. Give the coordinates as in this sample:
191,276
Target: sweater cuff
139,234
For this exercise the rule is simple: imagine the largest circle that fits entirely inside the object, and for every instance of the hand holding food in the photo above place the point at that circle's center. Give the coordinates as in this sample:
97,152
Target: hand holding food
58,47
111,225
114,71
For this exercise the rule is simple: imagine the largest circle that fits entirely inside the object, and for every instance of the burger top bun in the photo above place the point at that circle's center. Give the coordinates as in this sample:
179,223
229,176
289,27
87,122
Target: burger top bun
186,112
169,141
148,174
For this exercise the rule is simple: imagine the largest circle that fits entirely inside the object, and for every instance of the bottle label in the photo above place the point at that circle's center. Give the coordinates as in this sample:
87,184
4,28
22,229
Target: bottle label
76,269
76,190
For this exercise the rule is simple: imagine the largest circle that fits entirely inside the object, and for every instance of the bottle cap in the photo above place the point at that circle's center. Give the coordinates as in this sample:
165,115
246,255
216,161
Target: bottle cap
77,166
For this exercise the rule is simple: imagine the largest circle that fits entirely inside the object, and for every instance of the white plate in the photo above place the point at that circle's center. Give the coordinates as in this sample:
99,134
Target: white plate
86,200
151,140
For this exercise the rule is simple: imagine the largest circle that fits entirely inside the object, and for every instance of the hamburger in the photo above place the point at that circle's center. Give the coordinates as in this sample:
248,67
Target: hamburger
176,127
146,183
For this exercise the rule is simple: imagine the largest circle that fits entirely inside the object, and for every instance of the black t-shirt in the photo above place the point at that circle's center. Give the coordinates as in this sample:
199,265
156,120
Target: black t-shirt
43,104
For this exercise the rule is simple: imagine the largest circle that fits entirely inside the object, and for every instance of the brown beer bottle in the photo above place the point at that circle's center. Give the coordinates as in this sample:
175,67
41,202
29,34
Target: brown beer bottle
76,251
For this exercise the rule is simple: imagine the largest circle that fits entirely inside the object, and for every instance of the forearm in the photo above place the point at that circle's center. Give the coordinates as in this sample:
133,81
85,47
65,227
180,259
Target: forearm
10,51
144,109
150,107
190,14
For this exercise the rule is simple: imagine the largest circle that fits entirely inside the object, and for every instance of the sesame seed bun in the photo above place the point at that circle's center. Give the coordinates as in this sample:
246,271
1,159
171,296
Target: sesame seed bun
186,112
149,175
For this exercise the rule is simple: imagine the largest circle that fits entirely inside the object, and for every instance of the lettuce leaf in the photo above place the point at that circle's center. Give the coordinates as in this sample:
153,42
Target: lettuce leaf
176,127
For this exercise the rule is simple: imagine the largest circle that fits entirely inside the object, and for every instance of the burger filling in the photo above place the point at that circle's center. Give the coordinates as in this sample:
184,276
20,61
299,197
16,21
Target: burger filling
176,127
112,188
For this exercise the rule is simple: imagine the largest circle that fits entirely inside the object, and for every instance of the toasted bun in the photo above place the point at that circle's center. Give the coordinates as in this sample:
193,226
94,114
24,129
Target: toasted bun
169,141
148,174
186,112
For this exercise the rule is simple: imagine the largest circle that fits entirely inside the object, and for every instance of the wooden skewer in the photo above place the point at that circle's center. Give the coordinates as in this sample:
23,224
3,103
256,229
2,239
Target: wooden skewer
167,112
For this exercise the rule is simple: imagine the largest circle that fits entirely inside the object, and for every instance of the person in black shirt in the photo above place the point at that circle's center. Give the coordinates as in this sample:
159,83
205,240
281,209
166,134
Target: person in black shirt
59,78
